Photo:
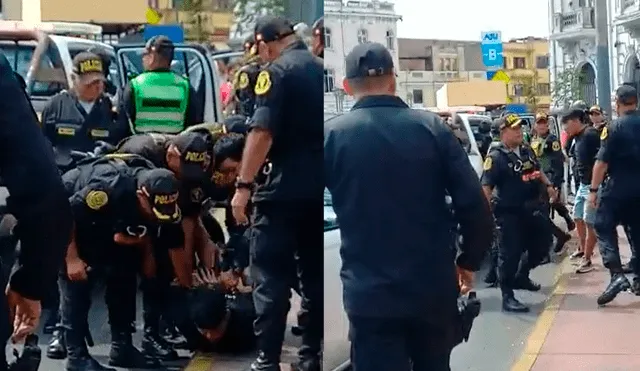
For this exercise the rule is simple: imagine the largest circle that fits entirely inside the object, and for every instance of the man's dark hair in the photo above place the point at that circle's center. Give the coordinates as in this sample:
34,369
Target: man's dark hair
229,146
208,306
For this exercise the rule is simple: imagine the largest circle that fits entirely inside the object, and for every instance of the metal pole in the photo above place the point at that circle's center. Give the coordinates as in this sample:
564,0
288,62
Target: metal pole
602,56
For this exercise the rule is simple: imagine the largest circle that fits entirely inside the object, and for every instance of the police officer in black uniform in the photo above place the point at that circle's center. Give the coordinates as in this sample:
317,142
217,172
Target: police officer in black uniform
619,160
186,155
77,119
38,201
245,79
317,42
118,208
548,151
512,171
403,255
286,127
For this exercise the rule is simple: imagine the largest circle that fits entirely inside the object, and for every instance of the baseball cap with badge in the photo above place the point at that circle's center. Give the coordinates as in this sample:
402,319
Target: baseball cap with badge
509,121
542,117
595,109
194,155
161,188
89,67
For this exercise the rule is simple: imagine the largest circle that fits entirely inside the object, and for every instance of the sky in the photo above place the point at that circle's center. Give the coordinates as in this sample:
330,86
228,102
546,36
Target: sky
466,19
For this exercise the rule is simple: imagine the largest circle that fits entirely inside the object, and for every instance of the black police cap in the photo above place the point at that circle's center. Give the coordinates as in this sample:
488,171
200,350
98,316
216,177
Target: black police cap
508,121
368,59
271,28
162,189
626,94
161,45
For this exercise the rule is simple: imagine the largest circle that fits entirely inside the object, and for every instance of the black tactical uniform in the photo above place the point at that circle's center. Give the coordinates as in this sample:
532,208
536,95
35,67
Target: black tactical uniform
405,162
618,197
519,208
104,196
549,154
288,203
37,198
71,124
245,79
193,179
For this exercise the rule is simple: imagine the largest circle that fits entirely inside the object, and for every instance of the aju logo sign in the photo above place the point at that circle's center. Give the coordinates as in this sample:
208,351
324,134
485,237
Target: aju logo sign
491,37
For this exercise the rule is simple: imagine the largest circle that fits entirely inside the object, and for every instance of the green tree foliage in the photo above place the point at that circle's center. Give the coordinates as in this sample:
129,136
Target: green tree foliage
567,87
247,11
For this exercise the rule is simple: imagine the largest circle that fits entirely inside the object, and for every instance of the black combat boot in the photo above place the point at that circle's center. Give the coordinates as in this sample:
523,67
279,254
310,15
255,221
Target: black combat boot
618,284
635,286
525,283
561,242
57,348
511,304
78,358
306,365
265,363
124,354
154,346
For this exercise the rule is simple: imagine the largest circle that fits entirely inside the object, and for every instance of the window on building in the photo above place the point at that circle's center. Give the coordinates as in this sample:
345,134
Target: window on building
390,40
153,4
446,64
454,64
417,96
519,63
363,36
518,90
327,38
178,4
504,63
329,80
544,89
542,62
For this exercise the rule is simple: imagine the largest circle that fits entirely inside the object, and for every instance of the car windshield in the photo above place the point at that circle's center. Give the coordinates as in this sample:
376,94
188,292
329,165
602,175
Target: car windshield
50,78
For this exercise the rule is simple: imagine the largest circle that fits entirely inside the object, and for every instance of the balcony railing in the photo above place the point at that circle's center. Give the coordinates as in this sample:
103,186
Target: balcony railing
627,6
575,20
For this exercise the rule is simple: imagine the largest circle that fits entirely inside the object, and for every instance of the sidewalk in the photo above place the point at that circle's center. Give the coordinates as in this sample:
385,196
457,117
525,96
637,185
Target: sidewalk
574,334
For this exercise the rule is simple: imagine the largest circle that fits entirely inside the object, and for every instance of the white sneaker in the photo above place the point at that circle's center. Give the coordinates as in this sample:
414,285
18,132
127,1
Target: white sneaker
585,266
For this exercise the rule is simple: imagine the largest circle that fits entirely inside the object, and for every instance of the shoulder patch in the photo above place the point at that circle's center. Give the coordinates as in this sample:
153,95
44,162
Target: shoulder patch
243,80
555,146
604,134
263,83
488,163
96,200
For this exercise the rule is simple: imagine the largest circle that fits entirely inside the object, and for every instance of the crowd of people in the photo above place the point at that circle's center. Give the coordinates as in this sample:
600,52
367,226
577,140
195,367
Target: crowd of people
130,193
425,281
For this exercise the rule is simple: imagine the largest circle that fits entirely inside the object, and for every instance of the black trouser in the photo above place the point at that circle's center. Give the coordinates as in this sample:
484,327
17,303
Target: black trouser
610,213
155,291
521,231
5,324
393,344
279,232
120,298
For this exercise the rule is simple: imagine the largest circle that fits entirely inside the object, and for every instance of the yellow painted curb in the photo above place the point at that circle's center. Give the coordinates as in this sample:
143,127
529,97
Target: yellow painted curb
543,324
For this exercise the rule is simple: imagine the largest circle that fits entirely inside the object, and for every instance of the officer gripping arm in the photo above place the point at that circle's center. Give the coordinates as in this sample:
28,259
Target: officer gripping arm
183,108
38,201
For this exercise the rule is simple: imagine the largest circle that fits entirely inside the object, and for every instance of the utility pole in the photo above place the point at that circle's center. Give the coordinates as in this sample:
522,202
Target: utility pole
602,56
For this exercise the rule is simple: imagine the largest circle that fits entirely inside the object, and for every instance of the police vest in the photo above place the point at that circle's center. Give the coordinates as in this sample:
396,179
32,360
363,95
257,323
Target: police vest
161,100
243,85
524,178
541,147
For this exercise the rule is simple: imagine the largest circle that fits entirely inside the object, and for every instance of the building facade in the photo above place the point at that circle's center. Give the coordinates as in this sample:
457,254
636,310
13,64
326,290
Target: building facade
426,65
572,49
348,24
526,62
624,42
119,16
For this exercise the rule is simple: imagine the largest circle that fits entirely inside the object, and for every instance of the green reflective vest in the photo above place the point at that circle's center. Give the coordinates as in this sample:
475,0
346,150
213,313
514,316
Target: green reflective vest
161,102
540,147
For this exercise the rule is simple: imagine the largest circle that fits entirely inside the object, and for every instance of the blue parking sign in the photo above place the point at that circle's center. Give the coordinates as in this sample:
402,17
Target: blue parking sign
174,32
491,47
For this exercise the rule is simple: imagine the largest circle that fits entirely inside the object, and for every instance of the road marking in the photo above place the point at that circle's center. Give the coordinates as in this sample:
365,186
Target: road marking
200,362
543,324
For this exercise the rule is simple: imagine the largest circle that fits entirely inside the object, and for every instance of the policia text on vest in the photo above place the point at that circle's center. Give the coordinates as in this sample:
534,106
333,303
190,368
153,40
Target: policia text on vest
161,102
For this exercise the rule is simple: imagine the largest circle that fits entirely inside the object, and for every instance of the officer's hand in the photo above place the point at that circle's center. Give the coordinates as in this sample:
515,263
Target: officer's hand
229,280
24,314
465,280
239,206
204,277
76,269
593,199
553,194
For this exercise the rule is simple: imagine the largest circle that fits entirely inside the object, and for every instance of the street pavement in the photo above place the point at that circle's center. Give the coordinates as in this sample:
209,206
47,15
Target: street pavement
497,339
575,334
